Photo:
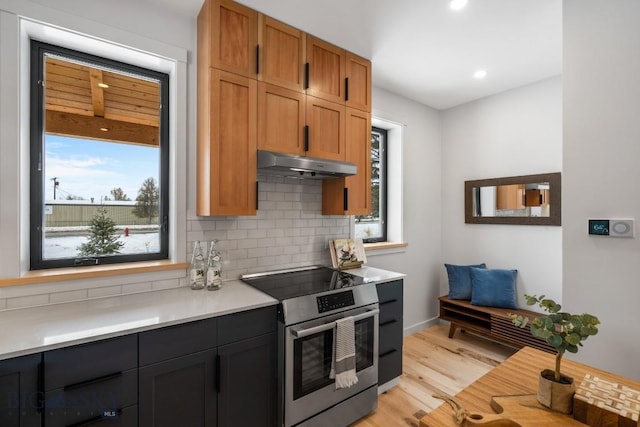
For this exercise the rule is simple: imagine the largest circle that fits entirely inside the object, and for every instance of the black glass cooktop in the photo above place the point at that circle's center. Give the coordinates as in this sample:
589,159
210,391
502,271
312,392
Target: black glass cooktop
297,283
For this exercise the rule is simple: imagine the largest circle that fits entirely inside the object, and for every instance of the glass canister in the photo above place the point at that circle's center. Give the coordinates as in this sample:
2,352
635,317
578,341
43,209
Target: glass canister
214,268
197,268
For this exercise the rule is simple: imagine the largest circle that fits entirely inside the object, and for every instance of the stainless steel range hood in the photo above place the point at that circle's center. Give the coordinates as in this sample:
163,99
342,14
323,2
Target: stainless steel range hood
302,167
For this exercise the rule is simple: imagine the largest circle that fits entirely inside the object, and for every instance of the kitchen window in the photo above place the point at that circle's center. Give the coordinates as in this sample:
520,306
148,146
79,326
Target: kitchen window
99,160
373,228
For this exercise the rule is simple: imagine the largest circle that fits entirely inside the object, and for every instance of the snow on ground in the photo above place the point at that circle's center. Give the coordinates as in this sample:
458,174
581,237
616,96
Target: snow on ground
66,246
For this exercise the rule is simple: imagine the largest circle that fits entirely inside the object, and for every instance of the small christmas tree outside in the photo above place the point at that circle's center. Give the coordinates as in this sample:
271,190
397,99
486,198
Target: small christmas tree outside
103,239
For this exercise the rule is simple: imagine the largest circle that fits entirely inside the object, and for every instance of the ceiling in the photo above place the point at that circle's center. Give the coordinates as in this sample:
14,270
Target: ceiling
423,50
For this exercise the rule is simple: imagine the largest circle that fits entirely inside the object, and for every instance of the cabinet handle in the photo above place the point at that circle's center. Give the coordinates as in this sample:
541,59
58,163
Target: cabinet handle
346,199
257,195
40,400
92,381
217,373
306,138
346,89
257,59
388,322
94,420
386,353
387,302
306,75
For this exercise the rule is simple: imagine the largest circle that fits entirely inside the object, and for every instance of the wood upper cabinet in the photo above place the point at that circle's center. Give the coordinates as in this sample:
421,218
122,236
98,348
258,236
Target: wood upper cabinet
227,145
282,54
510,196
327,70
281,119
352,195
234,37
327,129
358,82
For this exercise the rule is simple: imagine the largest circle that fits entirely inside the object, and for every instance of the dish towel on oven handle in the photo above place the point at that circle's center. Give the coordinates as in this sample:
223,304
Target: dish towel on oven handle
343,365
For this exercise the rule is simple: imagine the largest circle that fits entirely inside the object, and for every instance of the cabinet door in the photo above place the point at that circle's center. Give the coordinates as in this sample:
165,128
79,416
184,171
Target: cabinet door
234,34
281,119
179,392
510,196
327,134
227,147
390,295
352,195
326,70
20,400
282,54
358,84
248,388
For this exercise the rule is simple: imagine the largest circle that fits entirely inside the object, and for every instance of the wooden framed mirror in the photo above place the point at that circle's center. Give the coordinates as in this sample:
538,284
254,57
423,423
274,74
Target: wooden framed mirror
517,200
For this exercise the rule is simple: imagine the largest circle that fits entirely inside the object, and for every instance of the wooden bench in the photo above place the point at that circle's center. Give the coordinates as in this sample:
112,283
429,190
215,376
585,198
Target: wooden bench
490,322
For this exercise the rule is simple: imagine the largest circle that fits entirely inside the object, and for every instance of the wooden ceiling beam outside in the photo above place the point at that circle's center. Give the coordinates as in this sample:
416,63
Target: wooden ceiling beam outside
68,124
97,92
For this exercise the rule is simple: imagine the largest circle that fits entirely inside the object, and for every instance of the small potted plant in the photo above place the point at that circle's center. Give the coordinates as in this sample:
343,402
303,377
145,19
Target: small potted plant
564,332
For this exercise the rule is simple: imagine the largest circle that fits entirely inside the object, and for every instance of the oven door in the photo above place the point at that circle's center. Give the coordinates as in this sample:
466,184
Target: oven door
308,355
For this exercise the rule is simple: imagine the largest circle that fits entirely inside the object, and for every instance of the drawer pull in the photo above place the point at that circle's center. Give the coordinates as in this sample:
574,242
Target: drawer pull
388,322
388,302
386,353
94,420
92,381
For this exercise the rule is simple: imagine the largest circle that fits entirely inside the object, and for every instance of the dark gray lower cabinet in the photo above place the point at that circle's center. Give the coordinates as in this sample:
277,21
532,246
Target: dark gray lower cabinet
20,399
179,392
390,335
247,393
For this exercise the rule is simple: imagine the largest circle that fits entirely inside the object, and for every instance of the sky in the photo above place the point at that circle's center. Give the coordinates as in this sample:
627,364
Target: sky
90,168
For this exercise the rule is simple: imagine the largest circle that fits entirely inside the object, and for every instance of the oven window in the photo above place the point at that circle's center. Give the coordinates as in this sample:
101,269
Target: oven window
312,357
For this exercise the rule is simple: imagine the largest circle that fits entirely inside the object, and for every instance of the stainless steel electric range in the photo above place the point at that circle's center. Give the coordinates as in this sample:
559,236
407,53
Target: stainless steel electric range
311,300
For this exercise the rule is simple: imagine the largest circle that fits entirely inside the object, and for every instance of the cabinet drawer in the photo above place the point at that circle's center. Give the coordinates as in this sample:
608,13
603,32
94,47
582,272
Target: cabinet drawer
125,417
390,291
86,362
390,336
389,366
84,401
246,324
175,341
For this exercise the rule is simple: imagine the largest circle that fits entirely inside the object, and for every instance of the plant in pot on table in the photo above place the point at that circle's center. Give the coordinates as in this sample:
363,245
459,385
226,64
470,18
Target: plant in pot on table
564,332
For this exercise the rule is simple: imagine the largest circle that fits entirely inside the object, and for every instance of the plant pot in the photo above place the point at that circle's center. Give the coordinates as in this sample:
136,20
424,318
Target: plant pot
553,395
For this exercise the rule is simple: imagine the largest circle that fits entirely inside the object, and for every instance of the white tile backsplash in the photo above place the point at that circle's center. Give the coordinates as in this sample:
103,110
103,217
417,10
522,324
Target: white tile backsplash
288,231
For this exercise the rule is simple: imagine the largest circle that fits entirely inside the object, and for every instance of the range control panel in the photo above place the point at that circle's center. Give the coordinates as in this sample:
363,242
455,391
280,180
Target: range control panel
335,301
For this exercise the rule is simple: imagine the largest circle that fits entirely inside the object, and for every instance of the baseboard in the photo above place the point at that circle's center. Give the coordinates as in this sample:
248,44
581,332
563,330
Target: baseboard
420,326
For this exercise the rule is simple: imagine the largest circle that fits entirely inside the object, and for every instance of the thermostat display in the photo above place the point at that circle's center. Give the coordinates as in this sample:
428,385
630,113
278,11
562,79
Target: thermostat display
611,227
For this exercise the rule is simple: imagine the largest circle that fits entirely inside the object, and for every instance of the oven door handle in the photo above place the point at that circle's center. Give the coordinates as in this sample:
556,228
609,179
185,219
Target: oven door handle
300,333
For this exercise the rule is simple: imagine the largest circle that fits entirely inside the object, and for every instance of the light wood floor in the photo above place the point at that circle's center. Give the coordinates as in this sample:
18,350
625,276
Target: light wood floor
433,364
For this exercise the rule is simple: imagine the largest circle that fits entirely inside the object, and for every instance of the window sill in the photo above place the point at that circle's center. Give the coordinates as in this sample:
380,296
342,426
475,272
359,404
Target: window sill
61,274
384,245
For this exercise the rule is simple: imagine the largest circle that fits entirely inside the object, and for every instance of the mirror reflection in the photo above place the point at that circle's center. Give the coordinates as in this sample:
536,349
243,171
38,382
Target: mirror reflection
524,200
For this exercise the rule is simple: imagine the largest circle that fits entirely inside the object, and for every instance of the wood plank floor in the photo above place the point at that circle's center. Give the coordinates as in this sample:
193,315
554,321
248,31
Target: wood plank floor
434,364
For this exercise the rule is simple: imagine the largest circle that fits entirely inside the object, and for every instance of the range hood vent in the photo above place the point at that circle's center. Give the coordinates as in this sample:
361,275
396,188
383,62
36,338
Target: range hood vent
301,167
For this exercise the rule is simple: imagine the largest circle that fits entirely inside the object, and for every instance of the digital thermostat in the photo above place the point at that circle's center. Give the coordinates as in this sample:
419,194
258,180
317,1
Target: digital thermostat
611,227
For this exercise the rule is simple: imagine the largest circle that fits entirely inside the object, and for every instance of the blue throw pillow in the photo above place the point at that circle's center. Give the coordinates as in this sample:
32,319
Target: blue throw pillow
494,288
460,280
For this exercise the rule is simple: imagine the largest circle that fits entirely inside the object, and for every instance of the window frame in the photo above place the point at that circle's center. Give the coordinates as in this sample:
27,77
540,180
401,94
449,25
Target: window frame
382,192
38,50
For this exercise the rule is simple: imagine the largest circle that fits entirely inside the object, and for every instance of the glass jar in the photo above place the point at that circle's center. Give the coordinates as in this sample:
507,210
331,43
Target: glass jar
197,267
214,268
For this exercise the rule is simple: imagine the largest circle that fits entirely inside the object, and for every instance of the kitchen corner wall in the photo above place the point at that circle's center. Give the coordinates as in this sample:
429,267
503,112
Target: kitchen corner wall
518,132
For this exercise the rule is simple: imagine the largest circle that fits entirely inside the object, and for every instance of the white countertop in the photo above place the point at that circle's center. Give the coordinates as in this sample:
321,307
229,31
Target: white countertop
375,275
36,329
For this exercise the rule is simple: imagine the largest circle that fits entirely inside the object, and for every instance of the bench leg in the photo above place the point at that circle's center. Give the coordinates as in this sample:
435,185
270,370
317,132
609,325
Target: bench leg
452,329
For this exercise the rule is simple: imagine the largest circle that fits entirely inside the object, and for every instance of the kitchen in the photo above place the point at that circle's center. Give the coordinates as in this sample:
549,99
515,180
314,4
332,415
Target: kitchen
421,260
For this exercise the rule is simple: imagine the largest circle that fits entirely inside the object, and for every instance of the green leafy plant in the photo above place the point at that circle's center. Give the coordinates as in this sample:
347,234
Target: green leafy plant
563,331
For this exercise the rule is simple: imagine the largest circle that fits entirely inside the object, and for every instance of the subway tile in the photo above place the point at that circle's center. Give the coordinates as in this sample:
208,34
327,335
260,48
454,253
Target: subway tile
28,301
105,291
134,288
67,296
236,234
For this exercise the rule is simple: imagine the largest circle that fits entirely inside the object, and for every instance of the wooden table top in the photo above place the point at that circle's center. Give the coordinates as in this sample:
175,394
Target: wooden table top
516,375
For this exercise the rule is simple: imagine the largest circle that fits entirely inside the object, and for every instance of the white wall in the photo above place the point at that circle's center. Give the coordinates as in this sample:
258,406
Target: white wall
518,132
422,164
601,175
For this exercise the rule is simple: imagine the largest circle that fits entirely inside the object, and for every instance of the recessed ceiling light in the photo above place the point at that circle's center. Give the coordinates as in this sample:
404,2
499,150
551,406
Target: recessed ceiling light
103,85
457,4
480,74
104,129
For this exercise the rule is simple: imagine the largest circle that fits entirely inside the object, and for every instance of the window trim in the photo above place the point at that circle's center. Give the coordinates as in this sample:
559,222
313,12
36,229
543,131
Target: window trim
383,186
38,50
